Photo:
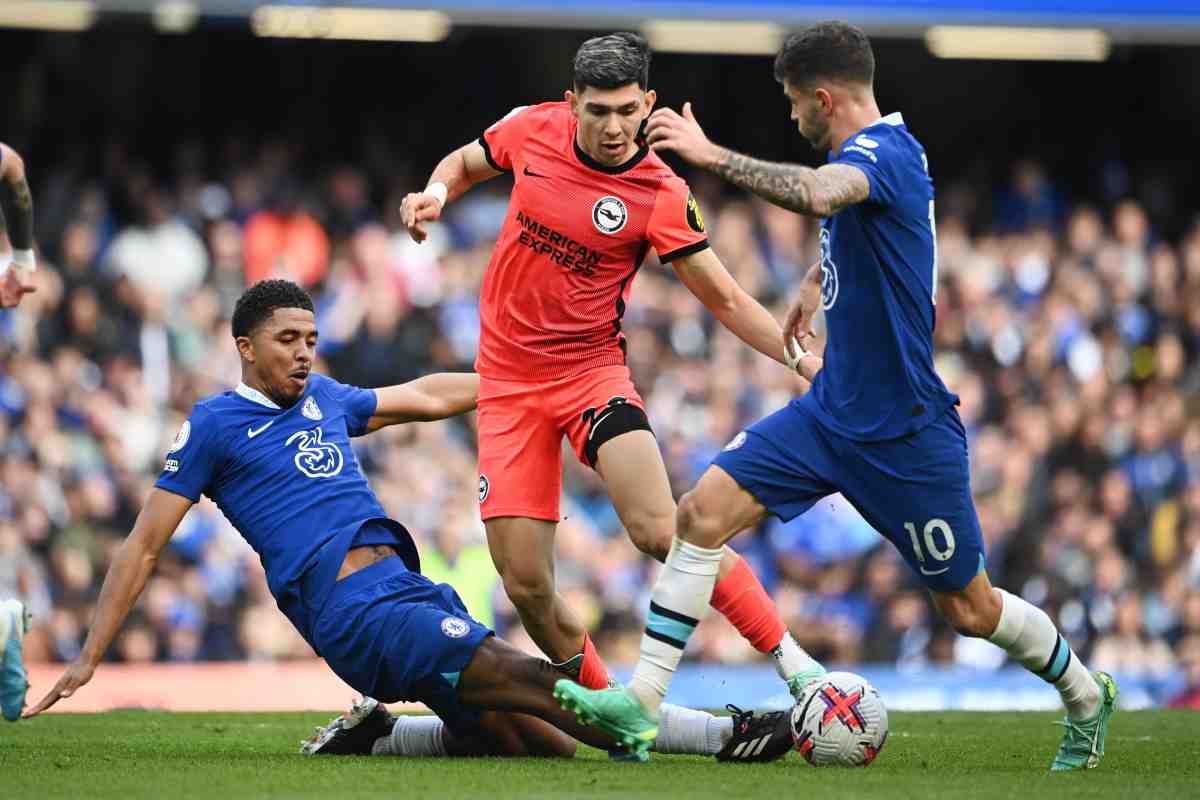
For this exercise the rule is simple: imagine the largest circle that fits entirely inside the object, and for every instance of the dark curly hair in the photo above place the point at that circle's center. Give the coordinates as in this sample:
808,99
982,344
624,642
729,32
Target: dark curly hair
828,50
258,302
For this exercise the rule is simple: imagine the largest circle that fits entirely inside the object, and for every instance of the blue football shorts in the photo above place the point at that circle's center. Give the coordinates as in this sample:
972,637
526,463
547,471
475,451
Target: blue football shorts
914,490
393,634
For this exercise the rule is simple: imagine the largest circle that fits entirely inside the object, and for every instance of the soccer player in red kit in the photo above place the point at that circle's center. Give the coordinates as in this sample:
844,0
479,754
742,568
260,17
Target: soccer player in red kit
590,200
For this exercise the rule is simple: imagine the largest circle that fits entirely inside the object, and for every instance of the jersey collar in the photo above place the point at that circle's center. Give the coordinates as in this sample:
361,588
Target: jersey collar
592,163
894,119
254,395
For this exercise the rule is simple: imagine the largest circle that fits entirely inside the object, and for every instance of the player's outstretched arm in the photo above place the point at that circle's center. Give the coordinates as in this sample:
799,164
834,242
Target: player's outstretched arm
818,192
16,203
445,394
451,178
132,566
706,277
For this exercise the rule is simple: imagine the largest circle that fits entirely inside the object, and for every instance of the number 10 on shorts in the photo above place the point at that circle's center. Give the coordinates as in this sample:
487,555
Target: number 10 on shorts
932,527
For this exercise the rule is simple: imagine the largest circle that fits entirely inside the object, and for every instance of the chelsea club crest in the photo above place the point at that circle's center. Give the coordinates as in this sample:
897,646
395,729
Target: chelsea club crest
829,274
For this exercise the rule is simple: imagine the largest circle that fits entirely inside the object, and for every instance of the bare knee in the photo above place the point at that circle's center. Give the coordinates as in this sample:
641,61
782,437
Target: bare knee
716,509
498,736
540,738
528,587
522,550
651,532
973,615
698,524
561,746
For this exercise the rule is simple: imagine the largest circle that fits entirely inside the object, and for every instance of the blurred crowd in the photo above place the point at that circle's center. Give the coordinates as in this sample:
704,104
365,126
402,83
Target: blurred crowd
1070,331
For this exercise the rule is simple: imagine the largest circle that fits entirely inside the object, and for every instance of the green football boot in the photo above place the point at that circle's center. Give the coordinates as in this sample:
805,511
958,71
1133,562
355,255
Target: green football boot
1083,740
614,711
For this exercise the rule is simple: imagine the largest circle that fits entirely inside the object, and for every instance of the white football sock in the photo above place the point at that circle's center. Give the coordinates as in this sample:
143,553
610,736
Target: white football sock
677,604
1029,637
791,659
686,731
412,736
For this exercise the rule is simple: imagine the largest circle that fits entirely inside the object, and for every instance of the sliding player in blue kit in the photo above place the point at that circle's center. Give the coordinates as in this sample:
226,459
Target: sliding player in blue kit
275,456
878,425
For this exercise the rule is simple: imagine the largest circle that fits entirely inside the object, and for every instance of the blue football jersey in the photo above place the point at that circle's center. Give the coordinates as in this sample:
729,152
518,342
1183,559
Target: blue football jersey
288,481
878,283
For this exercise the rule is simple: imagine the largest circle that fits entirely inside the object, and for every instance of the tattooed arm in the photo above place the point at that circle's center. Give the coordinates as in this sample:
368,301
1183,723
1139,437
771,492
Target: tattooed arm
820,192
16,200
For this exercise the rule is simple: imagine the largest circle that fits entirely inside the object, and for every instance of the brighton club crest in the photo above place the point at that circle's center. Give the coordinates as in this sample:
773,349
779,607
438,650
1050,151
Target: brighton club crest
609,215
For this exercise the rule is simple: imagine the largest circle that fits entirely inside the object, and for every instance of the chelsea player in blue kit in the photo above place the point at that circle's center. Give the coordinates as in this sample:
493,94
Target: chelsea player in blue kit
878,425
275,456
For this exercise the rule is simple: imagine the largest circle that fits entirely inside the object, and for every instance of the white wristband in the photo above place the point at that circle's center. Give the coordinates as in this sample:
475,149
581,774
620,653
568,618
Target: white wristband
4,262
25,260
437,189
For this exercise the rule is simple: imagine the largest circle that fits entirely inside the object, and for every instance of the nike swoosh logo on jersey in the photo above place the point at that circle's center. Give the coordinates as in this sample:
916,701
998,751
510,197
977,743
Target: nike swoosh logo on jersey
533,174
252,433
934,572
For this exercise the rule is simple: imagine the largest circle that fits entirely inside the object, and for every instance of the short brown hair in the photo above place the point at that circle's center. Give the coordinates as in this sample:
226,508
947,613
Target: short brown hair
831,50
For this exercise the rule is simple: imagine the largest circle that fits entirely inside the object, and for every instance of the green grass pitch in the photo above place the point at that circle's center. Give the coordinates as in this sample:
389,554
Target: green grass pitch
135,754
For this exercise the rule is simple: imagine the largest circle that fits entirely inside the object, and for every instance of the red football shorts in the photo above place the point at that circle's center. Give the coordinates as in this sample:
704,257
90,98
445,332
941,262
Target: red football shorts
521,427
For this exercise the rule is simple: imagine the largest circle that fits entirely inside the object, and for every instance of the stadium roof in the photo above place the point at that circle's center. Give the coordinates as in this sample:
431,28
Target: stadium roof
1124,21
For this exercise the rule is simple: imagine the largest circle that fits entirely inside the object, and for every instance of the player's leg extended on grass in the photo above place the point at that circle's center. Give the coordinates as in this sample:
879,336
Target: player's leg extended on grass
523,552
368,729
632,467
1029,636
500,677
497,733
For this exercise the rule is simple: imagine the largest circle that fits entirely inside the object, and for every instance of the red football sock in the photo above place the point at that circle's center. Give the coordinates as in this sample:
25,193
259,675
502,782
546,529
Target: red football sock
592,674
745,603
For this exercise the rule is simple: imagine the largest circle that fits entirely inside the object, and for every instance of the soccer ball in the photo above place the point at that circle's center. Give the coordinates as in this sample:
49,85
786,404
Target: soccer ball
839,720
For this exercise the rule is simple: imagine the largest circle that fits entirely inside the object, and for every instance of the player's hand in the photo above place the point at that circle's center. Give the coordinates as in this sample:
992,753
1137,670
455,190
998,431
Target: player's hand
417,209
802,362
79,673
667,130
13,286
797,330
807,368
